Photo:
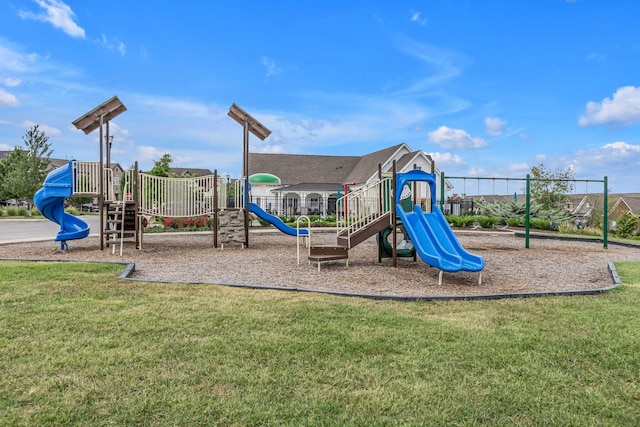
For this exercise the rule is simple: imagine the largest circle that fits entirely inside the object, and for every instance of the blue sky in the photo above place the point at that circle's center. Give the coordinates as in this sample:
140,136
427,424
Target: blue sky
488,88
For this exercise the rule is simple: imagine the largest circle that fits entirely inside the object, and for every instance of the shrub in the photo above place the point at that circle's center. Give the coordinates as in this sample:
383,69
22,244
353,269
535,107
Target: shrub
487,221
172,222
461,221
71,210
627,225
513,222
12,211
540,224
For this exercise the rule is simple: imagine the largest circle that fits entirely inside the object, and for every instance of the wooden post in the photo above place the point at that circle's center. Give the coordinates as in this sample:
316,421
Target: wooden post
101,184
394,182
246,184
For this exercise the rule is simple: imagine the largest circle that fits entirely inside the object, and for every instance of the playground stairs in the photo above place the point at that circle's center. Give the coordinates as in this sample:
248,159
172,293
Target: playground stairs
346,240
322,253
354,236
120,223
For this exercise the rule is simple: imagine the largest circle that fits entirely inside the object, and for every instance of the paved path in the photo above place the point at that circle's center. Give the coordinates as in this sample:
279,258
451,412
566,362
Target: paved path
34,230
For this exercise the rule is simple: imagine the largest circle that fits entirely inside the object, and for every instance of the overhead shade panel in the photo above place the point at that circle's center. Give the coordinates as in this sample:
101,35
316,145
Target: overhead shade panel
108,110
242,117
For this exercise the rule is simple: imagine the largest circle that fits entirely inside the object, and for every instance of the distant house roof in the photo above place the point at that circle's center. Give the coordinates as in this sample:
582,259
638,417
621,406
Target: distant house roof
368,164
190,172
293,169
632,200
298,168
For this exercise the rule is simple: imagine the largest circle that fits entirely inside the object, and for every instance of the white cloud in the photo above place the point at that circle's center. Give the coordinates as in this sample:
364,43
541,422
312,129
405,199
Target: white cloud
526,138
446,159
596,57
13,61
623,109
270,65
11,82
8,99
58,14
495,126
540,158
476,171
455,139
417,18
518,167
113,44
49,130
5,147
149,154
621,149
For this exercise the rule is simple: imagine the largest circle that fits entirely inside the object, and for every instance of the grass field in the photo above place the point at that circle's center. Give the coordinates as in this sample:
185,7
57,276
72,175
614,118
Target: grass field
79,347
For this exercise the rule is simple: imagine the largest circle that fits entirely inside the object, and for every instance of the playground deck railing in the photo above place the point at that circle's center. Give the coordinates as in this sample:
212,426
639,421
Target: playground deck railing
88,178
180,197
363,206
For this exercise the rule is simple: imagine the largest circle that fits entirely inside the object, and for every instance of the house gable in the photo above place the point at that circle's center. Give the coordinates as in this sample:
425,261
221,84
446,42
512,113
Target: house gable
367,166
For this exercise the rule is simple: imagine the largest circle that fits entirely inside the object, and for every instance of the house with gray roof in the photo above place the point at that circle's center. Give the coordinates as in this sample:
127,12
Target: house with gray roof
294,184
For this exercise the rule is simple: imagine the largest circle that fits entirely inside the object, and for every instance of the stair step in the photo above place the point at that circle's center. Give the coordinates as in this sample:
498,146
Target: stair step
329,250
322,253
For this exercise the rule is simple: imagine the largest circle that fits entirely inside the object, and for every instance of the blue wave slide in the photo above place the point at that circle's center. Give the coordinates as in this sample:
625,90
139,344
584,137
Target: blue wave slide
430,233
274,220
49,201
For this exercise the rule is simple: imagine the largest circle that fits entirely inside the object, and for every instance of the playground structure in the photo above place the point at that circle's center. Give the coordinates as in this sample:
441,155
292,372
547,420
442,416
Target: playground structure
377,208
380,207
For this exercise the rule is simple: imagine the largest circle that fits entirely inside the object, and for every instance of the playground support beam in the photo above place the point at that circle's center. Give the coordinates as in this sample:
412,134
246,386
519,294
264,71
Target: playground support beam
245,203
394,183
101,184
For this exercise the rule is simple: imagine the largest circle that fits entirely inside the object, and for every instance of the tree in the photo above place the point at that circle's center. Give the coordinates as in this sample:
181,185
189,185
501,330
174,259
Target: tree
24,171
551,189
13,171
162,167
627,225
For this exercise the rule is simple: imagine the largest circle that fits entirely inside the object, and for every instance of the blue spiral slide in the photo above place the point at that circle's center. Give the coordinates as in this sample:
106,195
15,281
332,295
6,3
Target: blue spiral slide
49,201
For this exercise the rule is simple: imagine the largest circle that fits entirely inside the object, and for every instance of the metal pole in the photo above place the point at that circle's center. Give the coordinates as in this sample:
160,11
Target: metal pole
605,231
528,212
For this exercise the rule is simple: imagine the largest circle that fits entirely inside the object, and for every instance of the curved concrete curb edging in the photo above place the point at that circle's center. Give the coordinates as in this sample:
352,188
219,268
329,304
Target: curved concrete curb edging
612,271
129,269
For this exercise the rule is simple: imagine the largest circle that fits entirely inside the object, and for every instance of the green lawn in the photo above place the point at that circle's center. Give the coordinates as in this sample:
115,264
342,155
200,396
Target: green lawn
79,347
